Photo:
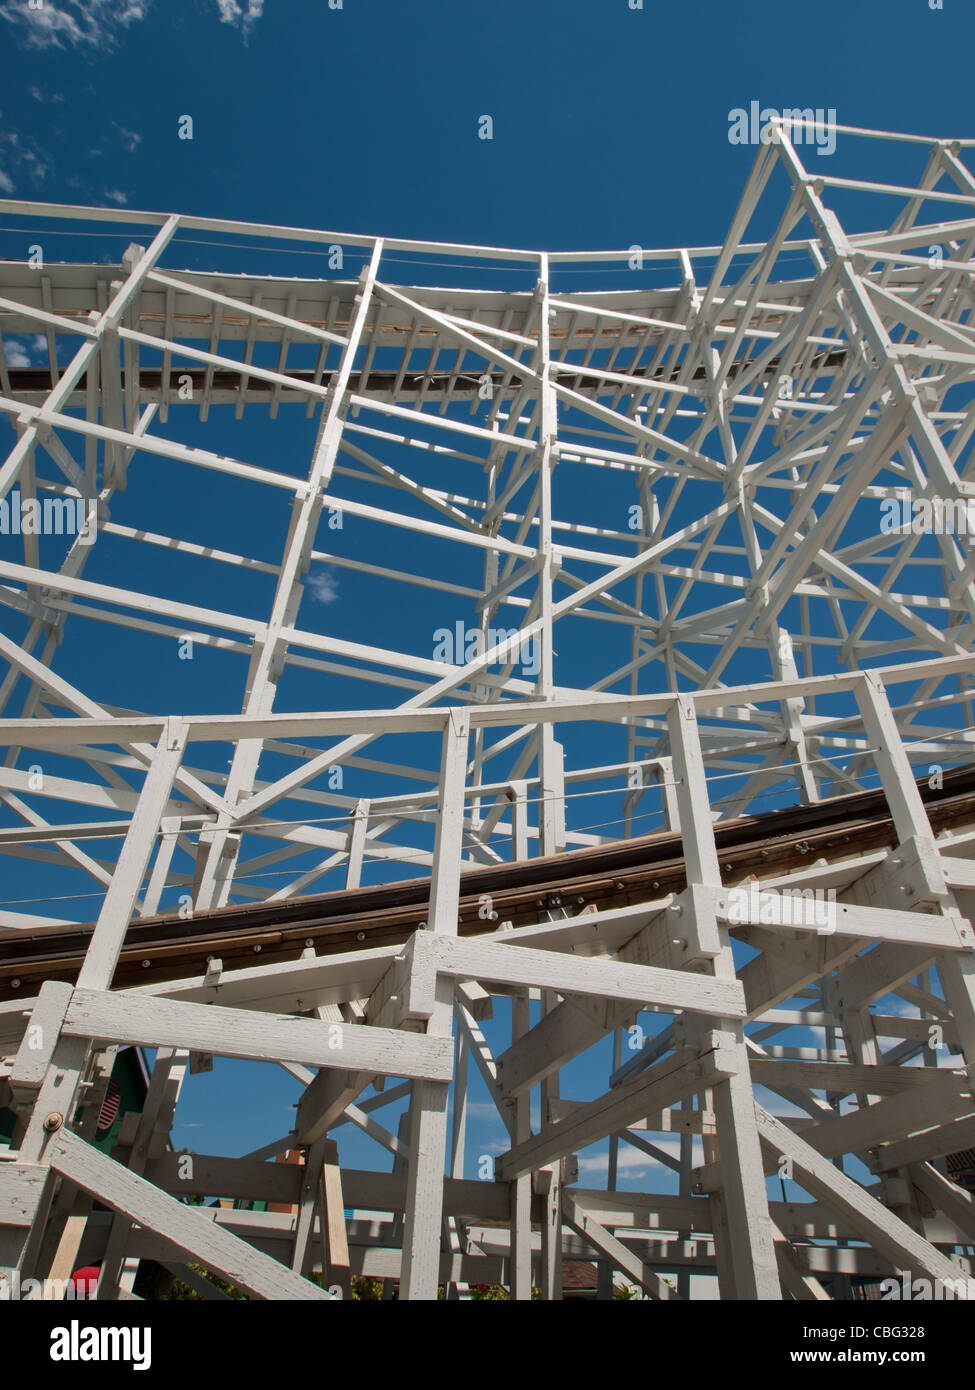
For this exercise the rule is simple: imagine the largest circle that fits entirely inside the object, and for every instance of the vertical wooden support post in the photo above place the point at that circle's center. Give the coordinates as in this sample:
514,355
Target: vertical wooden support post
751,1261
357,844
686,1167
458,1138
551,810
518,796
160,868
424,1190
521,1188
547,1183
458,1135
428,1127
448,847
336,1272
665,779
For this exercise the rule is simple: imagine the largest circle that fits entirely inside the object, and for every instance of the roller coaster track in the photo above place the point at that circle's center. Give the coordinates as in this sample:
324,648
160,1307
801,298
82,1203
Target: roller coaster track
168,947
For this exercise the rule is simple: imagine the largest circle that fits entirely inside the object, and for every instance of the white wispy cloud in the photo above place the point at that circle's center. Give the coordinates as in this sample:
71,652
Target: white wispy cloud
323,586
493,1146
483,1110
21,157
94,25
16,353
115,195
232,13
893,1004
129,138
22,351
629,1161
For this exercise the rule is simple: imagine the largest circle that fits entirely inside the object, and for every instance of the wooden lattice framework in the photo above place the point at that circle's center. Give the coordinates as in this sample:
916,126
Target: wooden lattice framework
765,400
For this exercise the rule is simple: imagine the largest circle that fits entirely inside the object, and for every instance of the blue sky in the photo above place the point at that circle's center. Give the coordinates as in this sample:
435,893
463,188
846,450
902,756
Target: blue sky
610,128
610,124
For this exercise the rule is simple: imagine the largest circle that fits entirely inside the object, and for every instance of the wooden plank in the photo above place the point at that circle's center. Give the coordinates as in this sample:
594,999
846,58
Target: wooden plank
879,972
520,1129
844,1078
614,1250
332,1222
679,1075
423,1218
40,1038
13,1020
327,980
204,1241
747,1265
258,1036
640,985
887,1233
574,1025
933,1143
325,1100
773,977
252,1180
117,908
795,1276
21,1187
959,873
941,1096
424,1192
448,849
852,920
946,1196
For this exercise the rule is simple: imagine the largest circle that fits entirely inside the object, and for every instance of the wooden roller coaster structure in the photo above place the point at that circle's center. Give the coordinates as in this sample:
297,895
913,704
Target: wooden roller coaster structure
732,1055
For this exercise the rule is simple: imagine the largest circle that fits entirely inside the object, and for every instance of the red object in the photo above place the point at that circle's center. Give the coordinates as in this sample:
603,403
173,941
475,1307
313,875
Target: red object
110,1105
87,1276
